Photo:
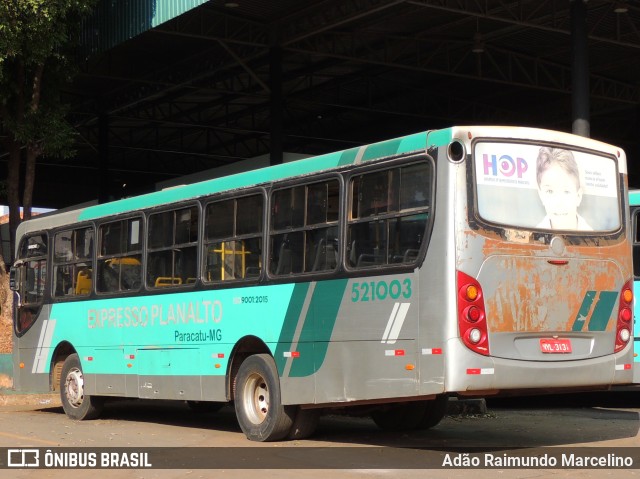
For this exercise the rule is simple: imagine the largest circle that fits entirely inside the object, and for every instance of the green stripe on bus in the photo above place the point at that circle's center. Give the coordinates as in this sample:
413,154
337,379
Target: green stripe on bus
315,335
414,142
581,318
438,138
602,312
380,150
290,322
347,157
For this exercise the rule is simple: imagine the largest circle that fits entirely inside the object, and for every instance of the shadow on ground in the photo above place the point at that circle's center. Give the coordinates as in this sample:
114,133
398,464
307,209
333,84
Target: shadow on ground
524,422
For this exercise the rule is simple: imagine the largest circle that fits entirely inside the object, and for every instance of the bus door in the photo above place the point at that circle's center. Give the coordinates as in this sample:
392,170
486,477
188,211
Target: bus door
28,277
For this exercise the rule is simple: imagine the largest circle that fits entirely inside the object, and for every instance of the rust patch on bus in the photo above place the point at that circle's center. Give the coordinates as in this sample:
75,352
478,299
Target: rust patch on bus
525,291
532,295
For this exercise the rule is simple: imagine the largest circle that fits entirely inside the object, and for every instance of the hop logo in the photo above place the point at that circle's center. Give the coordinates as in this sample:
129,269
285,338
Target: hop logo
504,165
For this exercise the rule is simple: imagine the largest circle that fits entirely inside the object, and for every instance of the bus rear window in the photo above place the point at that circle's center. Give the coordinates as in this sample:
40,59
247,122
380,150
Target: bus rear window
546,187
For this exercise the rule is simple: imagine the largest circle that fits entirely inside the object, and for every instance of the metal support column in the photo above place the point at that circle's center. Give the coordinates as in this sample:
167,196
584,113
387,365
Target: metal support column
103,158
276,105
579,69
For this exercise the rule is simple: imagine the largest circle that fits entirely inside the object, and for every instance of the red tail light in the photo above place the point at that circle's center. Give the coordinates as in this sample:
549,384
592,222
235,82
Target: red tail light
625,316
472,320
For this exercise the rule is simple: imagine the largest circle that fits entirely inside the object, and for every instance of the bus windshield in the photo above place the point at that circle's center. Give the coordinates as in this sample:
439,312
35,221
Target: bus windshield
545,187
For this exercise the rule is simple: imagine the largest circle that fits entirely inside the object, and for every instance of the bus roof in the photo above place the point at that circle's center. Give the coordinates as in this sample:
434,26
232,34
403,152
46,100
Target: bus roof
402,145
406,144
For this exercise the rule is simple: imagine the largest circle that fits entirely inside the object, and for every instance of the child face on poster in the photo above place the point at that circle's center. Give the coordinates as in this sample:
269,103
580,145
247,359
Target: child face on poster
559,189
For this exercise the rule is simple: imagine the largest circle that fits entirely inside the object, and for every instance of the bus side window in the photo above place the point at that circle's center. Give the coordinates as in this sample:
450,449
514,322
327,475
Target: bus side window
120,261
389,215
233,239
72,262
173,239
305,239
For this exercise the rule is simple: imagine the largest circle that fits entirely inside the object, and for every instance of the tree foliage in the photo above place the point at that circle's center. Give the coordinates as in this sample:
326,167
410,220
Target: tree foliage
37,58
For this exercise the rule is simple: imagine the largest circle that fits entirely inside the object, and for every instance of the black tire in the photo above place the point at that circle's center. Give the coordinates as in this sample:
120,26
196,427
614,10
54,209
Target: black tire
205,406
76,404
305,423
400,417
436,409
258,404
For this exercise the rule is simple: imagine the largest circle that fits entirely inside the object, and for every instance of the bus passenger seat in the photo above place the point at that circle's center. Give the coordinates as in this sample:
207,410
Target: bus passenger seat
252,272
320,261
162,281
83,282
284,260
353,258
410,255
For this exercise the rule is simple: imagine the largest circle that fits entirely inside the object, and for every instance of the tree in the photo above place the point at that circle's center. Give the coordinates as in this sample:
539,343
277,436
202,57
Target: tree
37,58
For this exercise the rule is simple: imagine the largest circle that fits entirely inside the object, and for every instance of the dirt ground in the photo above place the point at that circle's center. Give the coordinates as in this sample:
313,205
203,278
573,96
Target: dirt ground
5,339
342,448
5,331
6,307
6,345
5,315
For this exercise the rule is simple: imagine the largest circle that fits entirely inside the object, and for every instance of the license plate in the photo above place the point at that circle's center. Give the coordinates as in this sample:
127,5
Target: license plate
555,346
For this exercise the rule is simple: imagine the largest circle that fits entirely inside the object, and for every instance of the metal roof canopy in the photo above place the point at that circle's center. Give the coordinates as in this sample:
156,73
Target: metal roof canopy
203,89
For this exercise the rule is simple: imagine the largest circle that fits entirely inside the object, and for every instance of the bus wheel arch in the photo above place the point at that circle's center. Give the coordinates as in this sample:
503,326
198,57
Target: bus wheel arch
244,348
76,404
62,351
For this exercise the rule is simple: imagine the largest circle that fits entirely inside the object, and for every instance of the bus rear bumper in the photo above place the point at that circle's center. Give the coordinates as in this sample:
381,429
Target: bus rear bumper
467,372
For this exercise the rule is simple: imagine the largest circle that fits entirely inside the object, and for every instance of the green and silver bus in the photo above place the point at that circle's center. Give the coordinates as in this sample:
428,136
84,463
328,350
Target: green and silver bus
378,280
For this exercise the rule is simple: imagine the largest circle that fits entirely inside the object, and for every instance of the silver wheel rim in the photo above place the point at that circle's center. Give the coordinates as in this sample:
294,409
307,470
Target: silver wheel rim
256,398
74,387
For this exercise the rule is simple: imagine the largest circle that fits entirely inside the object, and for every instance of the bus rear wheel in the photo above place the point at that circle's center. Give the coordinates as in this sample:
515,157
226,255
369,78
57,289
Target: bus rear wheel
436,409
259,409
412,415
205,406
304,424
399,417
77,404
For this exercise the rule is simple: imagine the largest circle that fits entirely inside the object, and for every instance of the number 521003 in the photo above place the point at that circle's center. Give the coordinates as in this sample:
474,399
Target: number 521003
380,290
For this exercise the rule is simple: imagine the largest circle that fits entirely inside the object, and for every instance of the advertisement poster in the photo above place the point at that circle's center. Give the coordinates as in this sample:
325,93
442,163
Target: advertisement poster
546,188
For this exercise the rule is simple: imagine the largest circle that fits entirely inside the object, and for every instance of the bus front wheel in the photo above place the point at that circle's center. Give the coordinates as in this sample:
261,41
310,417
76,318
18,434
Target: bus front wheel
77,404
259,410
